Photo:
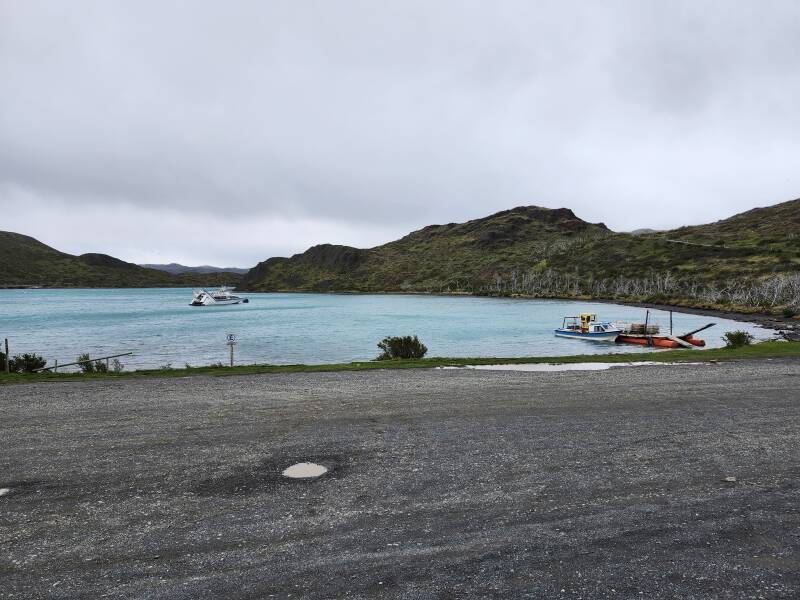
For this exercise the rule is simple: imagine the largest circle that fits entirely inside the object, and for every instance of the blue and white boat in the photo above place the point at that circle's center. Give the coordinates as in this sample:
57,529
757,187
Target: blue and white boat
587,327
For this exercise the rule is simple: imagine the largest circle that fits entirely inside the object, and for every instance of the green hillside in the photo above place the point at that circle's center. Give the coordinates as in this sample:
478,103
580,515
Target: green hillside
457,255
25,261
749,260
746,247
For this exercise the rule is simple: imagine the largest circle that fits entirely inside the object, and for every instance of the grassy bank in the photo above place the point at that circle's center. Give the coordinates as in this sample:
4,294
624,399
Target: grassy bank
763,350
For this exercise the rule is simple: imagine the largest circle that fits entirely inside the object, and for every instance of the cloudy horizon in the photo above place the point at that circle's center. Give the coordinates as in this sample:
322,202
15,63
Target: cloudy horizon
208,134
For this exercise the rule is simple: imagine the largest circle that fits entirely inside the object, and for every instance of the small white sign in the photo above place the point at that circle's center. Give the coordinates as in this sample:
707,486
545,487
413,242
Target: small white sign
231,338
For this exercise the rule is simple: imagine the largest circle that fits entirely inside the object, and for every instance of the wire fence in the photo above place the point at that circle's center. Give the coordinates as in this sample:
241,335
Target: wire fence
56,366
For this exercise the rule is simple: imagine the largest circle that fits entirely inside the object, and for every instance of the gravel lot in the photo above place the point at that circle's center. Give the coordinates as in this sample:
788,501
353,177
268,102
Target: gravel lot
442,484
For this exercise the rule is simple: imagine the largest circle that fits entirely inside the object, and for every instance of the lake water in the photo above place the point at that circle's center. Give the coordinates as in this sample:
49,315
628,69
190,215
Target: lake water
160,327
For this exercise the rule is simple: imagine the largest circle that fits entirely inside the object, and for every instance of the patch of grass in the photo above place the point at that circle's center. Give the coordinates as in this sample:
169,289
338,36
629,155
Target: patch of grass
763,350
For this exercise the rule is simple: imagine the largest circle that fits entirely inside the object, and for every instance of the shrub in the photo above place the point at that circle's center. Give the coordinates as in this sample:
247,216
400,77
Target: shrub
85,363
117,366
401,347
100,366
26,363
737,339
789,312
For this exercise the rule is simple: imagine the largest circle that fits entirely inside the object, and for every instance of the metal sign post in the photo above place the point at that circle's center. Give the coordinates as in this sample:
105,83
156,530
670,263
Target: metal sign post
231,337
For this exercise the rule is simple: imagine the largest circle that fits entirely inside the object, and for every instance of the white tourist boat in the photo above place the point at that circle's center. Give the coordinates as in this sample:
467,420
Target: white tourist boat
219,297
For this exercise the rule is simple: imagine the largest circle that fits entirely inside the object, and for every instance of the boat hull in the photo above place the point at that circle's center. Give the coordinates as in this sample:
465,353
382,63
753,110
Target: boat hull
605,336
657,341
217,302
220,297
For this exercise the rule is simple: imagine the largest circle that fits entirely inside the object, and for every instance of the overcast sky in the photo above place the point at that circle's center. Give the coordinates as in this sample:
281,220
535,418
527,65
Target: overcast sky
228,132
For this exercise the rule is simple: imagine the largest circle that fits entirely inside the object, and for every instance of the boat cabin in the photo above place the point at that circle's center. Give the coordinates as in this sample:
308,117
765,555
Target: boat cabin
586,326
585,323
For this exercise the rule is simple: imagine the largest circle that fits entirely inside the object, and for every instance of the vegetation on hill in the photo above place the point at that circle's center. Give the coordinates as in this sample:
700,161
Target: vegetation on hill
26,262
749,261
453,257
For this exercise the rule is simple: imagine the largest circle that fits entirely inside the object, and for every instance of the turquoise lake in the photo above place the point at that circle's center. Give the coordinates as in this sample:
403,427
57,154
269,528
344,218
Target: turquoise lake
160,327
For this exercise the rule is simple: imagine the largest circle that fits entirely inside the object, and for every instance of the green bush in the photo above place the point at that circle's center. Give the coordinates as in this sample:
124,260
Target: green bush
26,363
737,339
789,312
100,366
402,347
85,363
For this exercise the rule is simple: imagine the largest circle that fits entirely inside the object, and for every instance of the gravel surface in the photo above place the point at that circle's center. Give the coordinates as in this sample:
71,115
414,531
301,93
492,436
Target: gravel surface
441,484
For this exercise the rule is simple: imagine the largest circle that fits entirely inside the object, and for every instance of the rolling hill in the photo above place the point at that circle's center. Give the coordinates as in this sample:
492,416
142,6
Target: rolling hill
25,262
175,268
748,261
457,255
551,252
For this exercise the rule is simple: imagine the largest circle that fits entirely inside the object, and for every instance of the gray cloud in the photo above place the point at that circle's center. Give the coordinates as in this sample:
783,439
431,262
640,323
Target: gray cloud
356,120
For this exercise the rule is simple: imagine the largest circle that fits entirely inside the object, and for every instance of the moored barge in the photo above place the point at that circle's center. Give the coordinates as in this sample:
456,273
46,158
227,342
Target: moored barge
649,334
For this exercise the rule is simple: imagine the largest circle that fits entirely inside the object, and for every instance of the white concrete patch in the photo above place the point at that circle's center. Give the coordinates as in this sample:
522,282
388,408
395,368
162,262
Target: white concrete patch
546,367
4,491
304,470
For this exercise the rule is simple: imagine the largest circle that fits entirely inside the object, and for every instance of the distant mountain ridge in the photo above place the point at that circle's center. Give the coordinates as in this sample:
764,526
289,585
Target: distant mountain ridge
750,260
27,262
538,251
178,268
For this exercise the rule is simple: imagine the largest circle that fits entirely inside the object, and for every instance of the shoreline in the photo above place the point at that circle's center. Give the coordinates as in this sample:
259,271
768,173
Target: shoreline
769,350
786,327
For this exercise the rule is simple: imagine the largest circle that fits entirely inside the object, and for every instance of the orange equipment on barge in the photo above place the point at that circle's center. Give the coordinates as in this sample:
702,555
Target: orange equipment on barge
660,341
647,334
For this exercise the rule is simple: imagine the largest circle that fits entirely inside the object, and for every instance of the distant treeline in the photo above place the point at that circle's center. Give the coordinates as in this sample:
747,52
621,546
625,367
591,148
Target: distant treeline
771,293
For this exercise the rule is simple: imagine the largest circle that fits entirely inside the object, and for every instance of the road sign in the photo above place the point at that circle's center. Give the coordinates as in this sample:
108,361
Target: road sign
231,337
